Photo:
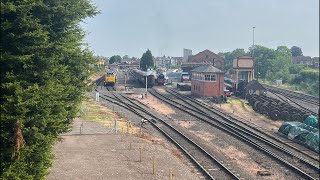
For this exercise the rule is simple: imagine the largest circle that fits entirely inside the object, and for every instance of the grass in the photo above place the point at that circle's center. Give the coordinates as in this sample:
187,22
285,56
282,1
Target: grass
236,102
95,112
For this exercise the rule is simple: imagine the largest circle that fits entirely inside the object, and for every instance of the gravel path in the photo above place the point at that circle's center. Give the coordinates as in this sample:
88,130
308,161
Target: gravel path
103,155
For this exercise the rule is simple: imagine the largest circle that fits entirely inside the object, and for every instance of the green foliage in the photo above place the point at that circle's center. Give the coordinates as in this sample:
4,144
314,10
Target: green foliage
307,75
115,58
230,56
296,68
263,57
146,60
296,51
43,68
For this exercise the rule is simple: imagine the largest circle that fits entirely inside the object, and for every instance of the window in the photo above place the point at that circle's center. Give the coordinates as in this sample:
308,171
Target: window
210,77
207,56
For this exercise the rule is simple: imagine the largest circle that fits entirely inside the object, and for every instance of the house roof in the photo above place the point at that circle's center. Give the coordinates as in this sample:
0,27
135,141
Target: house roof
301,58
216,56
315,59
207,69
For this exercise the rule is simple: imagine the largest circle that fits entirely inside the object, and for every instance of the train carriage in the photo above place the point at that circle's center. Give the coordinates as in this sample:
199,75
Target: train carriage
141,77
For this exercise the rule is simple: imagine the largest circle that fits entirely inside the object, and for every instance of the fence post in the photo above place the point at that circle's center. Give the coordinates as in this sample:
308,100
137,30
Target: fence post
115,126
140,154
154,166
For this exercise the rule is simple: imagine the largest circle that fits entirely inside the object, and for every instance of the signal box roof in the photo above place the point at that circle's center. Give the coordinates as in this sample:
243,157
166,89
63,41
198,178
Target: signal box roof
207,69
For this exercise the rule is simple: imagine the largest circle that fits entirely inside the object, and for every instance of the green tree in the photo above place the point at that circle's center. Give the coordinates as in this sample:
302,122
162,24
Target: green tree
115,58
296,51
280,65
229,57
43,66
263,59
125,57
296,68
146,60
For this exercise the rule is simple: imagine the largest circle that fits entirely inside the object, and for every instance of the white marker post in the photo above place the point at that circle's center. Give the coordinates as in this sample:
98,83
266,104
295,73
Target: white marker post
97,96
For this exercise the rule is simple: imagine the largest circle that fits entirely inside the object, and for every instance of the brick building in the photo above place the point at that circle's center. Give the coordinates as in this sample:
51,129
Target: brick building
208,81
208,57
243,70
205,57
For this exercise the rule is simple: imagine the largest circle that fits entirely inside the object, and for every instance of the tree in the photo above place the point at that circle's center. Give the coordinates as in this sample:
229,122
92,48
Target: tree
263,59
43,68
125,57
296,51
146,60
280,65
115,58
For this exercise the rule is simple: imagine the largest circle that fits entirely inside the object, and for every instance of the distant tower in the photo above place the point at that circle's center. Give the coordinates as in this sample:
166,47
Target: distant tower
186,54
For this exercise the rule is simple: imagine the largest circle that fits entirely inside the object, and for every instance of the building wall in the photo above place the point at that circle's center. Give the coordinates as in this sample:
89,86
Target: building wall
186,54
208,56
208,88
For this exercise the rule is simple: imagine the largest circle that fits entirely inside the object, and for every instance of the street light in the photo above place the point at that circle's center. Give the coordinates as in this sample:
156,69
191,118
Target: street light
253,41
258,73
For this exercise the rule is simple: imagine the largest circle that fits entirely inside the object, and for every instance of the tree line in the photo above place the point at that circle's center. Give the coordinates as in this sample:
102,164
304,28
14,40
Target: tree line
273,64
44,65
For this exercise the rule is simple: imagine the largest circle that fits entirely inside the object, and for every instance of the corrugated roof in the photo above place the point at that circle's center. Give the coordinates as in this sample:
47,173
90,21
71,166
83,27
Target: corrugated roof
207,68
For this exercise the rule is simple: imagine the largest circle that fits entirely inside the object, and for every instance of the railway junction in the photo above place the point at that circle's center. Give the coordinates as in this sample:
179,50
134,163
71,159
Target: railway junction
219,141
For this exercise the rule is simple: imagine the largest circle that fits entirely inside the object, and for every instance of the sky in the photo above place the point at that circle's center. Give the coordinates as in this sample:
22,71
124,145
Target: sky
130,27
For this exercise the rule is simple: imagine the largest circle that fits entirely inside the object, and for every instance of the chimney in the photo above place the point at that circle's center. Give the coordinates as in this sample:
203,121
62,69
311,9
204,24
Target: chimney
213,62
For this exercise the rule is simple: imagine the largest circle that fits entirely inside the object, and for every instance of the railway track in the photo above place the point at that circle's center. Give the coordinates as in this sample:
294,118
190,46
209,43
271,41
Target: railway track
195,108
206,162
312,100
289,101
305,152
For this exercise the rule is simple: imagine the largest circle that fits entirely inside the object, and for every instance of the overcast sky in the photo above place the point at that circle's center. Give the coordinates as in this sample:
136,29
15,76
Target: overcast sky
167,26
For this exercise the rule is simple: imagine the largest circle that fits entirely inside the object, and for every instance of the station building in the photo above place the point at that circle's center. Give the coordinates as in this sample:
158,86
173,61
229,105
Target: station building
207,81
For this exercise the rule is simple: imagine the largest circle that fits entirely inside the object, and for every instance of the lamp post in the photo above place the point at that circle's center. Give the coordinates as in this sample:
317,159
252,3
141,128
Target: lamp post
253,41
253,52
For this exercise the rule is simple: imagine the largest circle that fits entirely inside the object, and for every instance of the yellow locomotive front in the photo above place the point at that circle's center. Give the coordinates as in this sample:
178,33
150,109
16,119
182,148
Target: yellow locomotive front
110,78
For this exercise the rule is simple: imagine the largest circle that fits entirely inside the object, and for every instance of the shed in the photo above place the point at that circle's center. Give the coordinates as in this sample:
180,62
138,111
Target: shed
254,87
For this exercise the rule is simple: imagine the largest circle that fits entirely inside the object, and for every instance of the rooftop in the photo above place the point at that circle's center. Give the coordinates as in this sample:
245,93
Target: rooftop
207,68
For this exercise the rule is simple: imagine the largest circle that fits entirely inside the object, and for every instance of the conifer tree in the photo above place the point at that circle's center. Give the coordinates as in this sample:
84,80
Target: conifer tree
146,60
43,67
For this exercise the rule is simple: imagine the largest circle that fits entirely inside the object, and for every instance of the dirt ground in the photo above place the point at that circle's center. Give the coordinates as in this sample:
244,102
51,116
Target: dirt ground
157,104
238,108
100,154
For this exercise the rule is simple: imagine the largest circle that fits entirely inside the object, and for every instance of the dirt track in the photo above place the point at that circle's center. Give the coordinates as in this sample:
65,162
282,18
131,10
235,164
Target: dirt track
108,156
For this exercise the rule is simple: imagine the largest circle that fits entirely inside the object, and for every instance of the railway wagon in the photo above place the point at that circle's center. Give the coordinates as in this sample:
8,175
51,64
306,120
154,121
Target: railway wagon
141,77
110,77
